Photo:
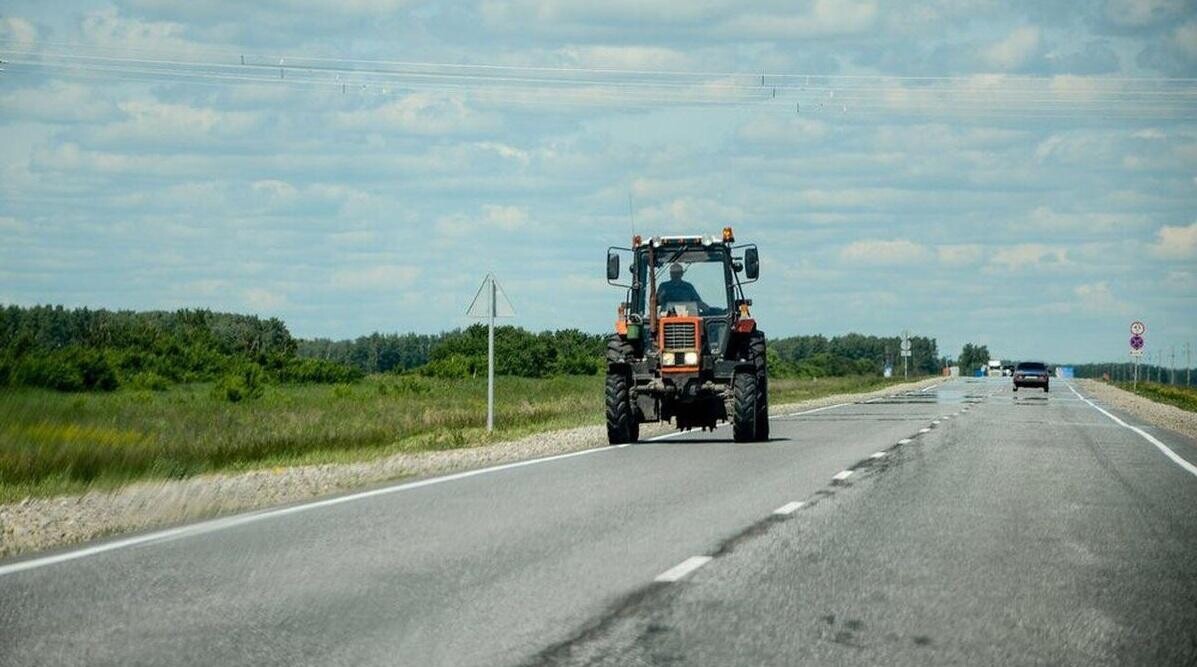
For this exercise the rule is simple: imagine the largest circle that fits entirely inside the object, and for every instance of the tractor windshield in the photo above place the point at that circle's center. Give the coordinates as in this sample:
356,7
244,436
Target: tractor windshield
689,282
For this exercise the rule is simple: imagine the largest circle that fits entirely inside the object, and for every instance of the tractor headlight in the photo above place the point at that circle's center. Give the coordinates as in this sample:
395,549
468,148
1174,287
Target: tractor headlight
667,359
691,358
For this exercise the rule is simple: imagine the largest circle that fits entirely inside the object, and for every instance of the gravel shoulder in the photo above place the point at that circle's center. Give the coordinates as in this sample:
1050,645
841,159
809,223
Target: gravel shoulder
1159,414
35,524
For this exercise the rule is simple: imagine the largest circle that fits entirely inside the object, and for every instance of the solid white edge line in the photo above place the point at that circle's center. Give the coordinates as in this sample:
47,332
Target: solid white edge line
877,455
682,569
1176,458
905,441
924,430
789,508
242,519
842,475
807,412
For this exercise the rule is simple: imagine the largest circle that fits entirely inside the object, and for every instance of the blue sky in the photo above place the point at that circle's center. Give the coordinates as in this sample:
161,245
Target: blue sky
1021,174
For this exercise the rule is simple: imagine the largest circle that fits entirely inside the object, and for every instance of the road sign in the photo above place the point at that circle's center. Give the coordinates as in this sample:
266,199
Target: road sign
1136,353
490,302
1138,328
1136,342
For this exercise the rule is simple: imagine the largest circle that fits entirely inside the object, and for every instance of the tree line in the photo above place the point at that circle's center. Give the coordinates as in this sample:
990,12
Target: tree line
84,349
96,349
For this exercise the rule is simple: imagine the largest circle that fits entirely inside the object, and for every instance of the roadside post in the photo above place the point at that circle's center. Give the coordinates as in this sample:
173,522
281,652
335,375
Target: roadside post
906,354
1137,342
490,302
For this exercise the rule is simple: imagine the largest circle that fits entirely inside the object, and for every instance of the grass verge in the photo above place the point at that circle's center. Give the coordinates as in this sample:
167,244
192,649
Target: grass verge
1184,398
53,443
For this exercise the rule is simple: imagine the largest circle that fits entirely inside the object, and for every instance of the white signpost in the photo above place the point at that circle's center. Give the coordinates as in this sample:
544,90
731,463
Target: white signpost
490,302
905,347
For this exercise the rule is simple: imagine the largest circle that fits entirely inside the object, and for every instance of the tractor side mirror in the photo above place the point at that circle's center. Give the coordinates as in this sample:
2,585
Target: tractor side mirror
752,264
612,266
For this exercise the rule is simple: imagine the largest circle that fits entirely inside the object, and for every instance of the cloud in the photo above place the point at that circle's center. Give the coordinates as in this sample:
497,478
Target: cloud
1029,257
966,254
1176,242
383,277
626,57
1141,13
885,253
1096,298
20,33
1014,51
421,114
826,18
262,299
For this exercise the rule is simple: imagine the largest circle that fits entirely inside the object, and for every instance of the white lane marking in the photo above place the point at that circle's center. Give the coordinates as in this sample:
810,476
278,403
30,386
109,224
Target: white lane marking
877,455
242,519
905,441
682,569
935,422
1176,458
924,430
946,417
842,475
789,508
931,387
807,412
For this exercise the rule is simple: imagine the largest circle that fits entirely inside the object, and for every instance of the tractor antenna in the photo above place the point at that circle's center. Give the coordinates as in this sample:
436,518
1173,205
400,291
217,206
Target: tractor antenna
631,213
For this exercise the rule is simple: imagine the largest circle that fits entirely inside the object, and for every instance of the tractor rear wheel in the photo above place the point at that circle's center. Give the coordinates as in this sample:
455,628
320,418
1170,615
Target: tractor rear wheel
622,426
747,411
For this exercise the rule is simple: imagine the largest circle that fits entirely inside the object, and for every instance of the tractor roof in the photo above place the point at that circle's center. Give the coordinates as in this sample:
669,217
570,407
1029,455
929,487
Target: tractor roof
695,240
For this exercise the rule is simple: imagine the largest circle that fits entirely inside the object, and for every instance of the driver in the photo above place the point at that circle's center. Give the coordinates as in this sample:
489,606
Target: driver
676,290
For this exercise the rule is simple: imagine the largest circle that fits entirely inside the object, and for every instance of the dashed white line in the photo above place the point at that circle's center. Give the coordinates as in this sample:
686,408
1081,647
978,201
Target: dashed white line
789,508
842,475
682,569
878,455
1146,436
924,430
935,422
905,441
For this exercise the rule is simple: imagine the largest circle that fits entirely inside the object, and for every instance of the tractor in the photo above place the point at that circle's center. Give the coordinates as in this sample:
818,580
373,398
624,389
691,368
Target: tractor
686,347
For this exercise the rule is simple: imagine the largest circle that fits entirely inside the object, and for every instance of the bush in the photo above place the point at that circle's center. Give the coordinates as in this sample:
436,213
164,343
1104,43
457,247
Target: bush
455,366
244,384
148,380
72,369
317,371
406,385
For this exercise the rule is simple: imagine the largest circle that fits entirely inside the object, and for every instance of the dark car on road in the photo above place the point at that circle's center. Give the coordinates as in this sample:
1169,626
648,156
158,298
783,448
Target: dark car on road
1031,374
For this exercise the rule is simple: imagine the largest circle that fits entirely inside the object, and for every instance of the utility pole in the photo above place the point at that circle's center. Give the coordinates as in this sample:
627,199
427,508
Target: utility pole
490,303
1188,365
1172,367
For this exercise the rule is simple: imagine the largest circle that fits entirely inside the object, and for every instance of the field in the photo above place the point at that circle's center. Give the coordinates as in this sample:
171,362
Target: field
1184,398
54,443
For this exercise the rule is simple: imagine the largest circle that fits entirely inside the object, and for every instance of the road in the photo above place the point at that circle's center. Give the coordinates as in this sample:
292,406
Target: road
962,524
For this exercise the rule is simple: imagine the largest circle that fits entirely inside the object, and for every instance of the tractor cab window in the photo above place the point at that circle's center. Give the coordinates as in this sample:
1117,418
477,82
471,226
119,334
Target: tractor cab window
691,283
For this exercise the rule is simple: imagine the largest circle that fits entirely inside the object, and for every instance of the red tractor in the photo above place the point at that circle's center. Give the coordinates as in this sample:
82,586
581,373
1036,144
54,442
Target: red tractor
685,346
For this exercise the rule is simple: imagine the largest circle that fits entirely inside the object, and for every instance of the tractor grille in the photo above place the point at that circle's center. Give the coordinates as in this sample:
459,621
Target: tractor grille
680,336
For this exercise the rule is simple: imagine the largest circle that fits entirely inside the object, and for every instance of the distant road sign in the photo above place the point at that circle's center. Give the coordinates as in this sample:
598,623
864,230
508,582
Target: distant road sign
1136,342
1138,328
1136,353
905,345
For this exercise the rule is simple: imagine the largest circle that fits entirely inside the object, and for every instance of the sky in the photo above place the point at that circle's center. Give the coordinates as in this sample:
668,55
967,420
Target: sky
1016,174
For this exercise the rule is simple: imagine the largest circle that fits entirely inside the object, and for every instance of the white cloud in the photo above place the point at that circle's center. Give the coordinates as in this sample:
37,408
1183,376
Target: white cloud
422,114
20,33
1096,298
885,253
259,298
965,254
507,218
1014,51
383,277
825,18
1176,242
1029,257
626,57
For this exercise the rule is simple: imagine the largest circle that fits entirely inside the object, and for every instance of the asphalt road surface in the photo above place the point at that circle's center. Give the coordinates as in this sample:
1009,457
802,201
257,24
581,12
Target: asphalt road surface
962,524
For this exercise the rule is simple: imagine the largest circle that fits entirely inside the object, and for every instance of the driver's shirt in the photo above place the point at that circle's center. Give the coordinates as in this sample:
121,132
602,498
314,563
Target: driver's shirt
676,291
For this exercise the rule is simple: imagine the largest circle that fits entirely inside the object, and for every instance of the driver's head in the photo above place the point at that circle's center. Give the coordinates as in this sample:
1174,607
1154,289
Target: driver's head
675,271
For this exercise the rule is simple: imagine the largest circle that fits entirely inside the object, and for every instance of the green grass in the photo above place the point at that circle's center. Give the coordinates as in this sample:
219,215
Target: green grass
1184,398
53,443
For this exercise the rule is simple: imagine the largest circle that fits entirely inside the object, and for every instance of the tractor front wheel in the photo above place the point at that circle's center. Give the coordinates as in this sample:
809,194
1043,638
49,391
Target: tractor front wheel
622,426
746,396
